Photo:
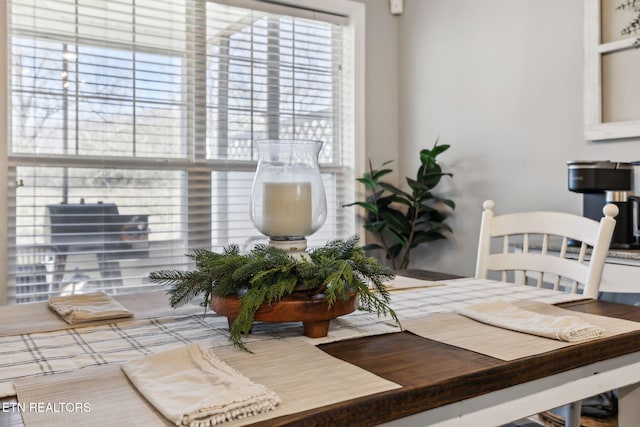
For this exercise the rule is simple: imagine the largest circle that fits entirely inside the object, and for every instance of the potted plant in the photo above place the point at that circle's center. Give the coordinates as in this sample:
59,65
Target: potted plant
402,220
335,272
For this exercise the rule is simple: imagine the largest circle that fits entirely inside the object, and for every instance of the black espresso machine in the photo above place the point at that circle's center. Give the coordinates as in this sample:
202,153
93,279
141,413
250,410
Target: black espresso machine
602,182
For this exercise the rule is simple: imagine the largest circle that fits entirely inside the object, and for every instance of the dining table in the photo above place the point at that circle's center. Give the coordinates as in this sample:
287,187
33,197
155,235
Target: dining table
430,376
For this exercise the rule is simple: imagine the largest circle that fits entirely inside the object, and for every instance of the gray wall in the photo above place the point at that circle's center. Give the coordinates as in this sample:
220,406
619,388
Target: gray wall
499,80
381,83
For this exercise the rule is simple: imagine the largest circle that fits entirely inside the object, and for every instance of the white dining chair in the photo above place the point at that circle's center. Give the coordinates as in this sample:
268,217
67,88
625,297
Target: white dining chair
534,248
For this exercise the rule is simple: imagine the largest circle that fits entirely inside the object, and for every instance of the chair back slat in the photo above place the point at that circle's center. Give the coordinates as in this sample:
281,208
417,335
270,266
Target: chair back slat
583,252
574,288
535,245
540,280
563,247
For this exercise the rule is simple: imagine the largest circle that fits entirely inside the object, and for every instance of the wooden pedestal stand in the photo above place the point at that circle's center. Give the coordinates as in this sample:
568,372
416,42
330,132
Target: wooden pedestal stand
312,311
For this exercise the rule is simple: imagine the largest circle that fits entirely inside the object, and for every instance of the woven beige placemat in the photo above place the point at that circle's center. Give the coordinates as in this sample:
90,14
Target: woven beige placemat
93,396
38,317
454,329
302,375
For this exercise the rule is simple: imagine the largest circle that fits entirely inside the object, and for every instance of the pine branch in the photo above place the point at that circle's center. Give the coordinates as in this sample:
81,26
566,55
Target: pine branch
266,274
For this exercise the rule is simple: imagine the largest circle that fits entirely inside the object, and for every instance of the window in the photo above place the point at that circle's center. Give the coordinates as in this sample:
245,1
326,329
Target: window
132,126
611,63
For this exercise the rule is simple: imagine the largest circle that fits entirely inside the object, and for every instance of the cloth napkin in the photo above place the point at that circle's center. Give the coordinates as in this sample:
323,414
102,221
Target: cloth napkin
192,387
88,307
508,316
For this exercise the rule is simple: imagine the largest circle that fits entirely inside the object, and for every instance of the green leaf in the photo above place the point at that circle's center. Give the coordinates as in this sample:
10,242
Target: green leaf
436,217
392,189
448,202
439,149
400,200
434,175
367,206
432,179
396,220
426,200
368,182
387,204
444,226
376,227
420,238
417,187
377,174
428,157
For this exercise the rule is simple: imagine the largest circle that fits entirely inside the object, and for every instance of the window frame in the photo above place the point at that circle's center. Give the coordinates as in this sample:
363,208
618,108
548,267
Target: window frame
594,127
355,111
4,147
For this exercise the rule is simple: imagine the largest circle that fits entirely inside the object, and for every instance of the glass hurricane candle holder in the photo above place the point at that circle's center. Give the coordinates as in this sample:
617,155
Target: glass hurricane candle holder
288,201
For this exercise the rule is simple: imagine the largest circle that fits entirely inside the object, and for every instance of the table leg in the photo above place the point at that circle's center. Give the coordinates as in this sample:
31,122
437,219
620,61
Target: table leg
316,329
573,414
629,405
230,321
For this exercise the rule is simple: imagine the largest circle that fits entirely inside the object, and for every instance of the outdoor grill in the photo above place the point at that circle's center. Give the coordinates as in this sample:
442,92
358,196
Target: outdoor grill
91,227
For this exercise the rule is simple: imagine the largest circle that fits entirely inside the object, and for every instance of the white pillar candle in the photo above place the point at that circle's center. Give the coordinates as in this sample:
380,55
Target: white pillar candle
287,209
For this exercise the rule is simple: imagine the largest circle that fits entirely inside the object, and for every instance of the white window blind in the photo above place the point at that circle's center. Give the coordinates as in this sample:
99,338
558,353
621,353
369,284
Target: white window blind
132,130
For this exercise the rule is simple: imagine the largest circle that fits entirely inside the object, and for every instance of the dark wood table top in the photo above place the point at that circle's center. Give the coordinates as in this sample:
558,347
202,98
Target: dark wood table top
433,374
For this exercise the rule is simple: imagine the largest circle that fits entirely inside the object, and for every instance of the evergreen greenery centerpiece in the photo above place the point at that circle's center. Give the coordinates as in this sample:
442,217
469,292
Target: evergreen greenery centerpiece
264,275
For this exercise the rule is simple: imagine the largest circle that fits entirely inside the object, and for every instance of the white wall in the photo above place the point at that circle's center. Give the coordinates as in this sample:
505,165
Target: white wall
501,81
